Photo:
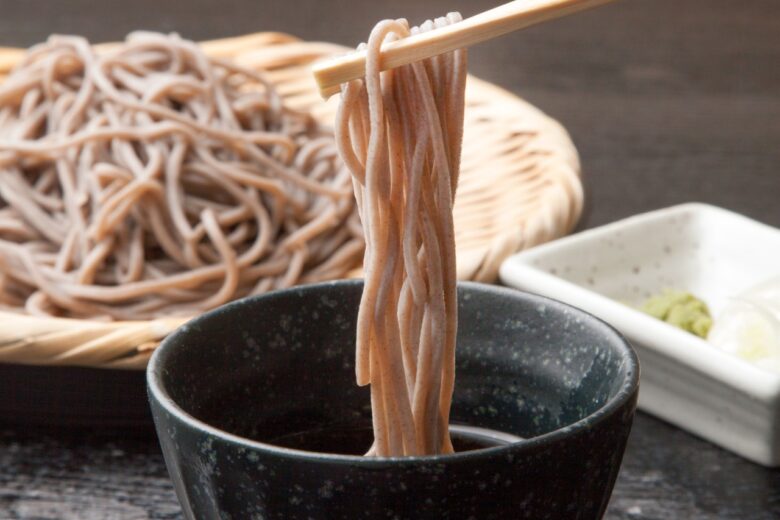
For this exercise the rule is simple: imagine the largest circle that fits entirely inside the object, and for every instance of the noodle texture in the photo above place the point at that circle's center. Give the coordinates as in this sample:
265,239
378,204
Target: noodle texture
400,133
152,180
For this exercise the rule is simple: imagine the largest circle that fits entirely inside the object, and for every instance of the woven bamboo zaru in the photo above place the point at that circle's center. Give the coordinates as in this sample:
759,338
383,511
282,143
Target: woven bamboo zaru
519,186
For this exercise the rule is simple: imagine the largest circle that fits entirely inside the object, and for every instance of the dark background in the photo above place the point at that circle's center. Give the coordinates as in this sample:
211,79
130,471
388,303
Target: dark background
668,101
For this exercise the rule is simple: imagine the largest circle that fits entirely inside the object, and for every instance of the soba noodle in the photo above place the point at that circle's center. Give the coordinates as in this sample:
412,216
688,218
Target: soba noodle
400,133
152,180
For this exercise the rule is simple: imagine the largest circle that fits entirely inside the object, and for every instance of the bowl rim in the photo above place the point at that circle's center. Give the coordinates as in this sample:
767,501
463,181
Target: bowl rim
628,390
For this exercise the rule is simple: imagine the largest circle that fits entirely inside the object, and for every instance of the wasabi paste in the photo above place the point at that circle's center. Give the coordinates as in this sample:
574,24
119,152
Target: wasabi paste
681,309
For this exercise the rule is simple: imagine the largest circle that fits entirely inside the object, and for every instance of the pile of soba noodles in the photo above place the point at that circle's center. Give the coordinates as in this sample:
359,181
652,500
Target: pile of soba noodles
400,132
152,180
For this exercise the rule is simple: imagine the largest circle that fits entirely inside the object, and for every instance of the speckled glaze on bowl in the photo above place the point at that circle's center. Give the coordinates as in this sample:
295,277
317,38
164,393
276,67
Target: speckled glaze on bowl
230,381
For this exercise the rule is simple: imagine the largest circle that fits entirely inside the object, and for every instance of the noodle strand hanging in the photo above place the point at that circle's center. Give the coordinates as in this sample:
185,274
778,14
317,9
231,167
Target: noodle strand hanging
400,133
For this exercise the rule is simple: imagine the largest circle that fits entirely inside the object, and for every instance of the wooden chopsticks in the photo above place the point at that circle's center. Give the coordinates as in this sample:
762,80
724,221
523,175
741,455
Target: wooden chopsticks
331,73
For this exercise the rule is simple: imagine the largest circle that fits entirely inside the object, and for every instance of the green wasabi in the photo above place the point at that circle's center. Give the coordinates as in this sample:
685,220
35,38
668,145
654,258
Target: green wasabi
681,309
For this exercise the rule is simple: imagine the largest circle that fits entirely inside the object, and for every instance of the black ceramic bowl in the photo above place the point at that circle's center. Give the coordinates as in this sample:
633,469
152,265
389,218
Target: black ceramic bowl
238,392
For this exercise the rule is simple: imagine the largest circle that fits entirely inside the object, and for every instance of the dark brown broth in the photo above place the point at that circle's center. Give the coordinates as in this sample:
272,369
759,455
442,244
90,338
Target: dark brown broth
356,439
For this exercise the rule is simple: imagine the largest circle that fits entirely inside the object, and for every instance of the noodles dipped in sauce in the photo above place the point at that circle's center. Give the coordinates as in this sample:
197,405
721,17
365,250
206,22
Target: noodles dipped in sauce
400,133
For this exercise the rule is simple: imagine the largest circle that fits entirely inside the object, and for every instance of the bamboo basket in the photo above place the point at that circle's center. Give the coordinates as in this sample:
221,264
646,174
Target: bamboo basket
519,186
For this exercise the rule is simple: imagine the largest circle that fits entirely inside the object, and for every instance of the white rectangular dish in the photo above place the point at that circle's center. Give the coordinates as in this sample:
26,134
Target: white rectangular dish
708,251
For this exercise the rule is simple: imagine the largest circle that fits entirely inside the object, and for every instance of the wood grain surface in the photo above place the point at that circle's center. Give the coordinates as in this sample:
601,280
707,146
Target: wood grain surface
668,101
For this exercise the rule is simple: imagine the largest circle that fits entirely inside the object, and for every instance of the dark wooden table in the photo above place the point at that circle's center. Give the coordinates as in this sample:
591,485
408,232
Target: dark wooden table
668,101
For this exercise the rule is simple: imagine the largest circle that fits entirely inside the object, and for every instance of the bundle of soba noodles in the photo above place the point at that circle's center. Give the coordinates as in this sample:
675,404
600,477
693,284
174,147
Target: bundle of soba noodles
400,133
152,180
